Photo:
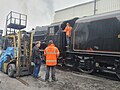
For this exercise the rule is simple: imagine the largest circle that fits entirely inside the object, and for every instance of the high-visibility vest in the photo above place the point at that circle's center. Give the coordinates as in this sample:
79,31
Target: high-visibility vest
51,53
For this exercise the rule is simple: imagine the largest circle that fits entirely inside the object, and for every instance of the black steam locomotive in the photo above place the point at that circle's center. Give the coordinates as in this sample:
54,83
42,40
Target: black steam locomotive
95,42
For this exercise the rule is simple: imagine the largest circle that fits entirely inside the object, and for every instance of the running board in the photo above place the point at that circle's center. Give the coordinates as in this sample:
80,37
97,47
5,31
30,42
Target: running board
108,71
69,65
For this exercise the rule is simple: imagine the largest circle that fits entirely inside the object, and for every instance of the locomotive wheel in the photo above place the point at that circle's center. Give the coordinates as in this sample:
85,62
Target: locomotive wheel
86,66
118,71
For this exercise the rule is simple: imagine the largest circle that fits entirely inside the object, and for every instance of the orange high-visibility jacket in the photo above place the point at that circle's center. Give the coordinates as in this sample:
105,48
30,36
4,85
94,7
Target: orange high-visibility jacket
68,31
52,53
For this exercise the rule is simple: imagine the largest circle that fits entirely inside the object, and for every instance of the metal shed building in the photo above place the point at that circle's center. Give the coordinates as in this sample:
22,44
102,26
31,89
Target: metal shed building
87,9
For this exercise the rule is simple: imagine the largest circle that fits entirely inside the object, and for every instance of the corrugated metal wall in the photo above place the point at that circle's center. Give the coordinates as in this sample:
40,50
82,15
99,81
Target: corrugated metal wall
63,15
87,9
83,10
107,6
76,11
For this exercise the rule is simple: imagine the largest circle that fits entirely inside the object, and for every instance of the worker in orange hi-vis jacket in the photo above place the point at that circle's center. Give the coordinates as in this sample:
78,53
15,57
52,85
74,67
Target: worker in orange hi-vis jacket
51,53
68,29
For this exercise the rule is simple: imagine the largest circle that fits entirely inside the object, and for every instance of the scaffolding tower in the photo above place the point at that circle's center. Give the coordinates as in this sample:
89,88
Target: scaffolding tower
14,22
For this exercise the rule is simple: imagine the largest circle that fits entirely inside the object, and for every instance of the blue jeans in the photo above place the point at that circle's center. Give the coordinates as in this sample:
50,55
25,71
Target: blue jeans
68,40
36,70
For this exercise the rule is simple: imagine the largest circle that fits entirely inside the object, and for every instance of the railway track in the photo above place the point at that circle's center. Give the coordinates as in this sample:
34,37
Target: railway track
96,74
22,81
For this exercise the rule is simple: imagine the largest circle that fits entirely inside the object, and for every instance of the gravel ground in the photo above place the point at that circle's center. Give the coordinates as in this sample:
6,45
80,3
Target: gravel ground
66,81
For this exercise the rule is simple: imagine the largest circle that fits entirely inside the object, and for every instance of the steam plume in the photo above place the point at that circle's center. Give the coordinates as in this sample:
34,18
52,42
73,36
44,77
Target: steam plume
39,12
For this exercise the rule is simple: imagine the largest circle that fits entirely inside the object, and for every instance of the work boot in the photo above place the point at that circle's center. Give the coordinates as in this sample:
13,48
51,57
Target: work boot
67,46
47,80
54,80
38,77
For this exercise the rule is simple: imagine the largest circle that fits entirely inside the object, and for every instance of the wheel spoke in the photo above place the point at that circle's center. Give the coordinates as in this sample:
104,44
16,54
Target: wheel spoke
86,66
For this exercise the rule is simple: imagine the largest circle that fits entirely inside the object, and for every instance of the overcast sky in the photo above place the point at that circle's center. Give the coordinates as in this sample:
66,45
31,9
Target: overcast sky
39,12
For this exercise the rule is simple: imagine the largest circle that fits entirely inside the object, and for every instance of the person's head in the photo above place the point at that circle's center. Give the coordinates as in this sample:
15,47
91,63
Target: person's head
50,42
67,24
38,43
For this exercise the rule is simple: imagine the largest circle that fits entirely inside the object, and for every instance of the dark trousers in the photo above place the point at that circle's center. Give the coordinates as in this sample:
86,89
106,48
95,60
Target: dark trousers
48,70
36,70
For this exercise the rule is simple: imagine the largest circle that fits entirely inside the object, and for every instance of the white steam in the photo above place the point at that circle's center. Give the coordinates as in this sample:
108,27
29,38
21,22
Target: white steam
39,12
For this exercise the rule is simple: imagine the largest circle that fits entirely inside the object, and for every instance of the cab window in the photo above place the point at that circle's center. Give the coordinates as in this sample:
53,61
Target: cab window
53,30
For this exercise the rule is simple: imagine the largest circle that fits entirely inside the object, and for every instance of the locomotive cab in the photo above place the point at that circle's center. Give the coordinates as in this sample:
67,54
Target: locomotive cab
53,34
57,34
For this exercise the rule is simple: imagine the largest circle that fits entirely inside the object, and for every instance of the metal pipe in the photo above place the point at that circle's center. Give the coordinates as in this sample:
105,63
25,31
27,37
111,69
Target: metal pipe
94,7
